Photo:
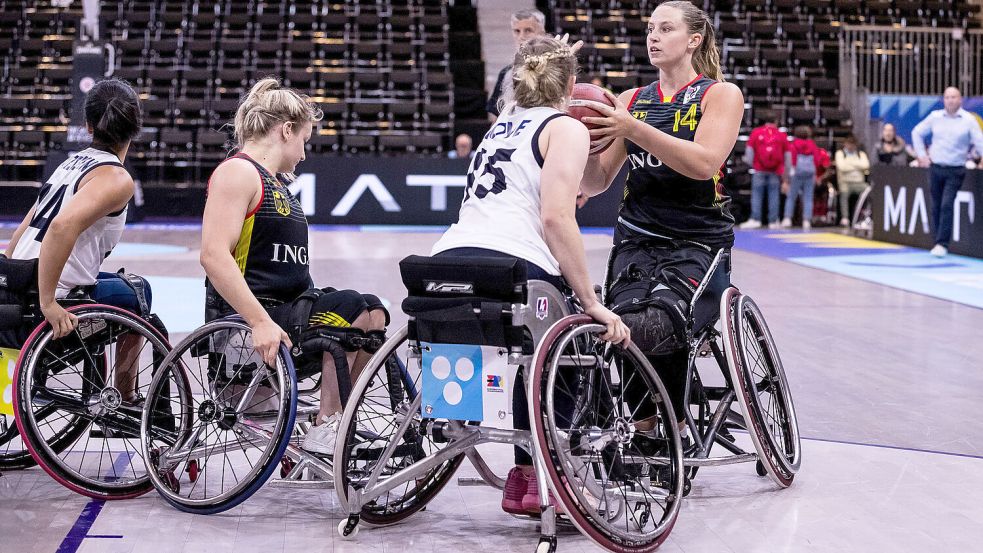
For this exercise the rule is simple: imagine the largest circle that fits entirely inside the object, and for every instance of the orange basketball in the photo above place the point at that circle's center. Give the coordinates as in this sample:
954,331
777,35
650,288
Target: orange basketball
577,109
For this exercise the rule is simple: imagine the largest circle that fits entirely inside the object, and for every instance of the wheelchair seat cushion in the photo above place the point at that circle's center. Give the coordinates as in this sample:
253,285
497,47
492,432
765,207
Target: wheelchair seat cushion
497,278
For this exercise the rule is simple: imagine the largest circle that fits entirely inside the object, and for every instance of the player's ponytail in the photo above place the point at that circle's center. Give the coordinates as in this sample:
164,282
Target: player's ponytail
112,109
541,71
267,104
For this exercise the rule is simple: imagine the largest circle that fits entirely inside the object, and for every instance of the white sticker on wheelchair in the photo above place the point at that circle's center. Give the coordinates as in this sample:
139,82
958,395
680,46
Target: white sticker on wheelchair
8,360
463,382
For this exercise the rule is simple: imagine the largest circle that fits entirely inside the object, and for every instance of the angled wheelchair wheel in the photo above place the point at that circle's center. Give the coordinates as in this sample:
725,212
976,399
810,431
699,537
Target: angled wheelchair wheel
607,437
383,398
761,386
80,399
218,419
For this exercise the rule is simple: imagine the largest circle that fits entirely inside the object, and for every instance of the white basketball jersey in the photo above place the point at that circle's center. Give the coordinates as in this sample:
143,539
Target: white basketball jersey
95,242
501,210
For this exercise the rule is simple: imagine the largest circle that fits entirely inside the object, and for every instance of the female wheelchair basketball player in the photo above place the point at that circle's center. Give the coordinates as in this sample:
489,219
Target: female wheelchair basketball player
521,201
676,133
82,373
670,265
260,268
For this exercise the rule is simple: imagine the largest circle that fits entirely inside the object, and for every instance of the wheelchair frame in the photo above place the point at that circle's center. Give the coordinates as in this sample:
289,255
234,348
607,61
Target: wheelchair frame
463,438
702,343
99,407
298,468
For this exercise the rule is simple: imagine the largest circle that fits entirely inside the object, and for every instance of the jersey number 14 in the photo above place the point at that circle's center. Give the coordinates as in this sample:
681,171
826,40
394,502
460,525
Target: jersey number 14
688,120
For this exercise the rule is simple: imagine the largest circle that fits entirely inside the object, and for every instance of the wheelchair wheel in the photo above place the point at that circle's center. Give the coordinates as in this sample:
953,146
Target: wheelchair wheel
219,419
607,437
381,400
762,389
80,399
13,454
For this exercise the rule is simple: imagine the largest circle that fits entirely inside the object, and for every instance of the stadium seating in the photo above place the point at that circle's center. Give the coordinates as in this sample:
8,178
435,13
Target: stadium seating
380,69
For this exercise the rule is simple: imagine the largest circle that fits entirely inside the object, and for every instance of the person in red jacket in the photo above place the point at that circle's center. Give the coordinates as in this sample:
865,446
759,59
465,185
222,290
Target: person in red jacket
768,149
803,169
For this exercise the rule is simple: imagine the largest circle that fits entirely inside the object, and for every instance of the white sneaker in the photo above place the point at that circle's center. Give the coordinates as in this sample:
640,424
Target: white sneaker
939,250
806,225
774,225
844,222
751,224
321,438
786,223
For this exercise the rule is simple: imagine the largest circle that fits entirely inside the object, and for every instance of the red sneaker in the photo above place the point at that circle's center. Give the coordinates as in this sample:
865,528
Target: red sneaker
516,489
530,501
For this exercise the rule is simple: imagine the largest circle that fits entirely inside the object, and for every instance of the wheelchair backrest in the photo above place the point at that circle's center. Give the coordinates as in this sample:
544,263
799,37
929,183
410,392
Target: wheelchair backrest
705,307
477,301
18,291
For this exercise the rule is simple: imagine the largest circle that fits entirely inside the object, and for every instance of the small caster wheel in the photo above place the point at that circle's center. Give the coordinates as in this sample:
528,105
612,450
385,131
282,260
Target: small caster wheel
759,468
642,515
546,545
286,465
687,487
348,528
193,470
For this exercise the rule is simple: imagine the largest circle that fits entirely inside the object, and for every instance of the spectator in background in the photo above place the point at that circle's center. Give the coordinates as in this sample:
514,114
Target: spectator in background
462,148
852,165
805,160
525,25
892,149
954,132
768,154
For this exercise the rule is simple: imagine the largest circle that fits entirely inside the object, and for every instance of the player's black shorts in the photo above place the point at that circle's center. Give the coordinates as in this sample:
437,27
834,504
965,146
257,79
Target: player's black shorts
333,308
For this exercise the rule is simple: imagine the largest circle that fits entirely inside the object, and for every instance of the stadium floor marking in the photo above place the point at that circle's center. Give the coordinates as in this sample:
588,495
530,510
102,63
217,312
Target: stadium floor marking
80,530
953,278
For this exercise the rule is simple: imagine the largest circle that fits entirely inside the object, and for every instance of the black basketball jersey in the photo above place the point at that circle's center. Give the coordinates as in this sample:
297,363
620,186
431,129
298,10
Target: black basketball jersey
661,201
272,251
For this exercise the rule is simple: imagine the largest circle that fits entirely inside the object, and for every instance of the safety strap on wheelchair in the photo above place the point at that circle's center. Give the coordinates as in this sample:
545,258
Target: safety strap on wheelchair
337,342
324,337
300,316
138,285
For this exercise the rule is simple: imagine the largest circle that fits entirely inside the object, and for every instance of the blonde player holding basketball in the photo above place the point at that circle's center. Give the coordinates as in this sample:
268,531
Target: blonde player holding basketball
521,201
676,134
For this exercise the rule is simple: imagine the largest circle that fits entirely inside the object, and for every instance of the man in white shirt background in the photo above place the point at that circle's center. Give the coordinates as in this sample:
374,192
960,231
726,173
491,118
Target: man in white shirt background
954,133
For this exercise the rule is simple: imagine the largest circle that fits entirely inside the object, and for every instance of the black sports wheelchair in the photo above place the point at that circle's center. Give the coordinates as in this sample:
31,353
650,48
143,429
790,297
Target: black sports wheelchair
78,400
232,420
604,438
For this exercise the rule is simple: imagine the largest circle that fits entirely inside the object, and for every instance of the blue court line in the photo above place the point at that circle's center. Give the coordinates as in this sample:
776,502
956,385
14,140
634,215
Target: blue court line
85,520
895,447
80,529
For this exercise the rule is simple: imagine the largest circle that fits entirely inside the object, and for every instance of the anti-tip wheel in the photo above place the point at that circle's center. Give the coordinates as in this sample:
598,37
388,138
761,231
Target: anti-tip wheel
348,528
546,545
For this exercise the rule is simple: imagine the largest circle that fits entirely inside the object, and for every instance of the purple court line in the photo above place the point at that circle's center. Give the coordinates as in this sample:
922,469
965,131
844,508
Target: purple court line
85,520
896,447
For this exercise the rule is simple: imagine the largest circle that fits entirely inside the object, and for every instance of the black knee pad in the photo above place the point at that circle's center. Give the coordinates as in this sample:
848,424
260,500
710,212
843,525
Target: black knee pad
654,307
654,330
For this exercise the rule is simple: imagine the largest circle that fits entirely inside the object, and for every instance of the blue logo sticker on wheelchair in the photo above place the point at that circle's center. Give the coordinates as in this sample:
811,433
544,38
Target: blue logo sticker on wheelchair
452,382
8,360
